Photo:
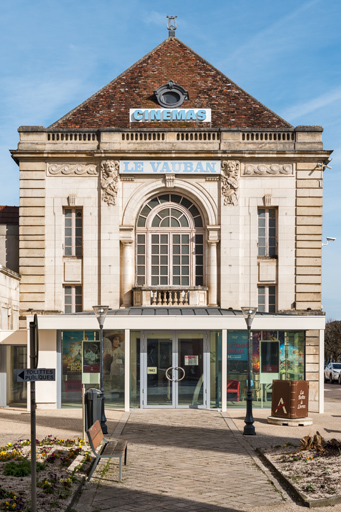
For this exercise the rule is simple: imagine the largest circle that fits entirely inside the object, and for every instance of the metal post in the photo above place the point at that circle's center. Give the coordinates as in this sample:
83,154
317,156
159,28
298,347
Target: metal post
33,420
100,312
103,418
83,412
249,428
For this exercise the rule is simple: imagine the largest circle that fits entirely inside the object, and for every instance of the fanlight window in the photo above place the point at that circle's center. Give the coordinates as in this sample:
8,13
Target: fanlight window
169,243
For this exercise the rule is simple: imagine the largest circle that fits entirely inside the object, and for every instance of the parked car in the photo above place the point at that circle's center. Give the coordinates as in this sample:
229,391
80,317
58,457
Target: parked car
332,373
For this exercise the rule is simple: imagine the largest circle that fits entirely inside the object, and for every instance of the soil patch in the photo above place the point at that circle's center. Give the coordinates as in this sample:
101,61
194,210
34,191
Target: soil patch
313,469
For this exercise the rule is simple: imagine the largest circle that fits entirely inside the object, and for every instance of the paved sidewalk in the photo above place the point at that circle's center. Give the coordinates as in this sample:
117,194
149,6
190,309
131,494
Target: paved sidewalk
15,423
181,460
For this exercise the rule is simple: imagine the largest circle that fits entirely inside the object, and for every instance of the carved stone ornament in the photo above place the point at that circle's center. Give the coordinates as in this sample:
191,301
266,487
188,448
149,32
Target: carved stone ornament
109,180
169,181
268,169
229,177
72,169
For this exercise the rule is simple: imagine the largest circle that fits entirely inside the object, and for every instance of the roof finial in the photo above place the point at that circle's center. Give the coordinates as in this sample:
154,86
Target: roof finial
171,25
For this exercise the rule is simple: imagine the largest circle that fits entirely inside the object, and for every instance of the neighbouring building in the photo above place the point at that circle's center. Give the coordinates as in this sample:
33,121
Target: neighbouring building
175,198
13,345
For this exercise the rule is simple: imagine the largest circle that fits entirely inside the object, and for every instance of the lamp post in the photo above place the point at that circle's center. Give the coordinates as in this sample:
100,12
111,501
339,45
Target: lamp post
101,313
249,429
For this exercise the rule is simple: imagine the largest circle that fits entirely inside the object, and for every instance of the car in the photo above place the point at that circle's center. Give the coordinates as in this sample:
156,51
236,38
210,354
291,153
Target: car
332,373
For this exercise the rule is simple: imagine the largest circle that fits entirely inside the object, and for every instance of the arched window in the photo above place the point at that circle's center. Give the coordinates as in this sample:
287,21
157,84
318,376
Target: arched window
169,243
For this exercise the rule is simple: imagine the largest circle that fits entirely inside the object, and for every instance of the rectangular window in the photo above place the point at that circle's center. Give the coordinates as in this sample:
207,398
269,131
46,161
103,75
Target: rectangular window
159,267
181,260
141,260
73,299
267,232
267,299
199,260
73,232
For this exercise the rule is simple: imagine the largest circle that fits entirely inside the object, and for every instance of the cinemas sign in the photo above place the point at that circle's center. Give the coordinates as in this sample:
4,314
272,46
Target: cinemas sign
149,115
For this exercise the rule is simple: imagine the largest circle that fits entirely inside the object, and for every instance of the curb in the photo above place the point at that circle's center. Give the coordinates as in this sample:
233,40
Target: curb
76,494
321,502
257,460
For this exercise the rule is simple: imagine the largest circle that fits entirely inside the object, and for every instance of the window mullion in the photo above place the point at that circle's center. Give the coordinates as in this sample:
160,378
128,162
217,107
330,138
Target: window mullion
267,232
170,258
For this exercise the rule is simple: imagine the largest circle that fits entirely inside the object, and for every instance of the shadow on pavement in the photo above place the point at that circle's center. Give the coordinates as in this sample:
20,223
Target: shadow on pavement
123,499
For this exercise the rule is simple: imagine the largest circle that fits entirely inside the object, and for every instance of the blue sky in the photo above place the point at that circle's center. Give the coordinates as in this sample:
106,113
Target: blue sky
55,54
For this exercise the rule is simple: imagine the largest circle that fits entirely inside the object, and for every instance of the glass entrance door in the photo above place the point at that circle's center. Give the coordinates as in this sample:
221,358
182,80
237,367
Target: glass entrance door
191,361
174,366
159,390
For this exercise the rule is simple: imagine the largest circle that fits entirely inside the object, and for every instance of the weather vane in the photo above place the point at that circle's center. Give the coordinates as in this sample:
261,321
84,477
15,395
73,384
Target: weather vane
171,25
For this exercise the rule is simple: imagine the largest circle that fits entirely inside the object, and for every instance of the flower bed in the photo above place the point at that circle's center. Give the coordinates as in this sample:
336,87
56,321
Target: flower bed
312,471
61,464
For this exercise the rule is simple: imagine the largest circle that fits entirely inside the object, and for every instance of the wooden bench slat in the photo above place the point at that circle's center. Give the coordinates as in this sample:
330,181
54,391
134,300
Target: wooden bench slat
114,448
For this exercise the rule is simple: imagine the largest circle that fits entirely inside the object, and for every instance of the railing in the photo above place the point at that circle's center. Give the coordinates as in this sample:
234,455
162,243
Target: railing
72,136
169,297
143,136
268,136
198,136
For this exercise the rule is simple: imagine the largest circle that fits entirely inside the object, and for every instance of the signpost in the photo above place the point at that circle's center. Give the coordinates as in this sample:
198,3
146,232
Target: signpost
34,350
33,375
36,374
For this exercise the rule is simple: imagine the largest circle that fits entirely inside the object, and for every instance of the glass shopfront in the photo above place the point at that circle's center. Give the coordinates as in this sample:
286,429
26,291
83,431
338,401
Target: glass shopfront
81,366
179,369
275,355
16,359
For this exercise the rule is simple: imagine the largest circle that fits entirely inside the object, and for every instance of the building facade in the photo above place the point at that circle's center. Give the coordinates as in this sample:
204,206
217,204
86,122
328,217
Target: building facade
176,198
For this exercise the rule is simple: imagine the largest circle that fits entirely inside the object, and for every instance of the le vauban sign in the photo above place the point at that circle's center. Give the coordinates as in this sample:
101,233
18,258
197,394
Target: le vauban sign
170,167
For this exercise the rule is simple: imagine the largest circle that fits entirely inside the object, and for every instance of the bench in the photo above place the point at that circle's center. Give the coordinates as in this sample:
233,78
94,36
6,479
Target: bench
115,448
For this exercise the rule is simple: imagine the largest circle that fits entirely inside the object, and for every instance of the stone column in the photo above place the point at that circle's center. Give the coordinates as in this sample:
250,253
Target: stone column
127,272
212,273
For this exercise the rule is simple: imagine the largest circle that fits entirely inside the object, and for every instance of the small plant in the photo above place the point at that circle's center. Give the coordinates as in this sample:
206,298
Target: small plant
21,468
310,487
6,494
15,504
48,484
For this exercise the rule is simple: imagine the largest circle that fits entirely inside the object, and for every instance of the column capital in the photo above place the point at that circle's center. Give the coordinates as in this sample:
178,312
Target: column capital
126,242
126,234
213,234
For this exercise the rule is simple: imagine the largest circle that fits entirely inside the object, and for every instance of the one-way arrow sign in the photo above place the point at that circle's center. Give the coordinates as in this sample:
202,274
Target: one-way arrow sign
37,374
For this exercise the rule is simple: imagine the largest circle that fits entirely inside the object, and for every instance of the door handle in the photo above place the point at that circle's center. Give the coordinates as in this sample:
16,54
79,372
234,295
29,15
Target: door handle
175,368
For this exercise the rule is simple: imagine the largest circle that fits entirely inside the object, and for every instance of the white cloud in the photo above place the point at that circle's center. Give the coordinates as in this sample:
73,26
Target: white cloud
155,18
323,100
278,38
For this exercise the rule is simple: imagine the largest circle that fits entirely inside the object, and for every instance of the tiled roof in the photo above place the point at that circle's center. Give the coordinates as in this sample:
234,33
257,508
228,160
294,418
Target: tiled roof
231,106
9,214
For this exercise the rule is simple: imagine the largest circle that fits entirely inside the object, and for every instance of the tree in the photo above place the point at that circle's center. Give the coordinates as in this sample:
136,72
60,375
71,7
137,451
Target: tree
332,340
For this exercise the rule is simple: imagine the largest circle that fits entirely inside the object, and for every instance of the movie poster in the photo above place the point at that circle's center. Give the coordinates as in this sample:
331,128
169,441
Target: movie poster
72,352
91,356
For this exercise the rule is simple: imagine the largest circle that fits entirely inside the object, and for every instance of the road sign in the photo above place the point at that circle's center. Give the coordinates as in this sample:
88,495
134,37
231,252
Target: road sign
38,374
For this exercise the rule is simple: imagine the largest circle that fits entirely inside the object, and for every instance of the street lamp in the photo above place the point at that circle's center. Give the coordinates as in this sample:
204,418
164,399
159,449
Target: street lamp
101,313
249,429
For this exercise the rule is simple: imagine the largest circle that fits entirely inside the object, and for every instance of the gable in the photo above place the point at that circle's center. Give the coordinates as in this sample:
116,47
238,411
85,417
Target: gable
208,88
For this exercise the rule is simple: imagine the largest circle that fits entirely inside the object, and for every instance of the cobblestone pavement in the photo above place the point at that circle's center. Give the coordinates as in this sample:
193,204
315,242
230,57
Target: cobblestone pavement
181,460
15,423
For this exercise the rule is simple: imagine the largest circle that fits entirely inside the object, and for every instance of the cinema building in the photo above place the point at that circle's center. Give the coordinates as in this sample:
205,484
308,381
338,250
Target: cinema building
176,198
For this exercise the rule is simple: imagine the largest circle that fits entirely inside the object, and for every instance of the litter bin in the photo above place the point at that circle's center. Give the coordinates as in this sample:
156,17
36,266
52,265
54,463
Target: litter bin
93,403
290,399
